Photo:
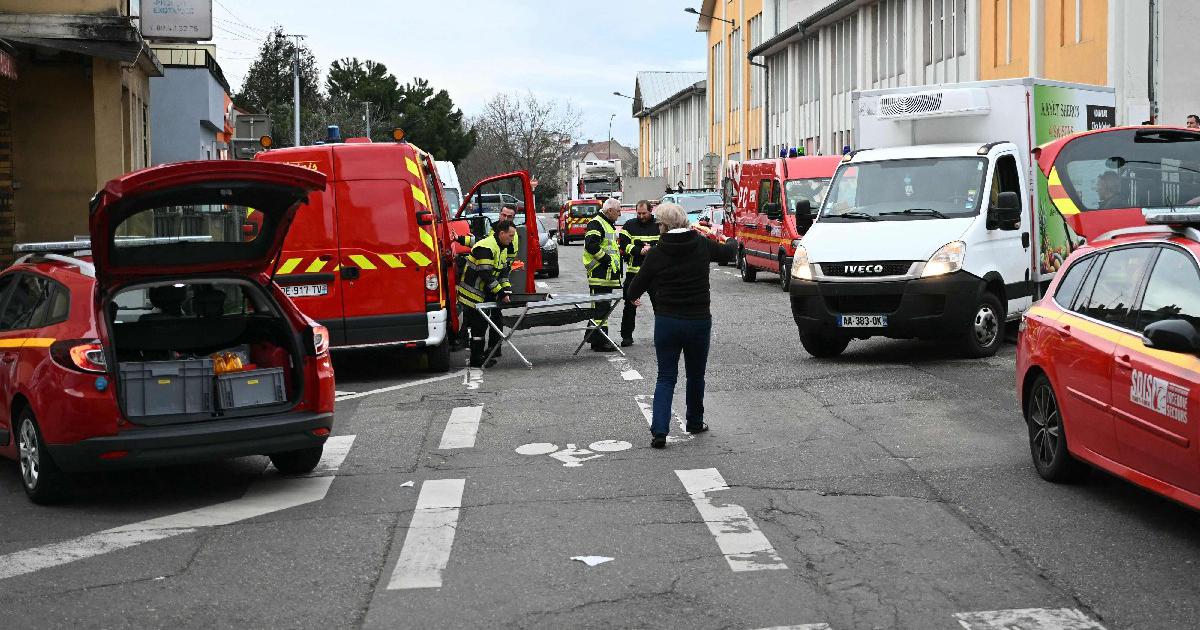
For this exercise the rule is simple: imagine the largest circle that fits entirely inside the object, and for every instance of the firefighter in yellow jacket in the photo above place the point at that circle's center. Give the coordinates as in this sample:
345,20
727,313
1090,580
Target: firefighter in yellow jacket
485,279
602,263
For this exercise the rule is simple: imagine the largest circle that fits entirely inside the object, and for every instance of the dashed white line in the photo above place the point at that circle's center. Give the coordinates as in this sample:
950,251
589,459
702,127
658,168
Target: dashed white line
743,544
541,285
627,371
646,404
461,428
270,494
383,390
1028,619
430,537
472,377
806,626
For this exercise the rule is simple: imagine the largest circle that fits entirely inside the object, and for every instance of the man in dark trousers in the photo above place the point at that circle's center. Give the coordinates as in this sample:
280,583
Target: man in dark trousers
637,236
485,279
602,262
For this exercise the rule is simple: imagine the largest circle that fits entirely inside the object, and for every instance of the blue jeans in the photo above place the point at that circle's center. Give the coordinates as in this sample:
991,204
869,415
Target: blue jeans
673,336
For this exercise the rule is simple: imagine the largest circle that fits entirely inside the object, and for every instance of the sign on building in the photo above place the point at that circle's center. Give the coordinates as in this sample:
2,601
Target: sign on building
189,20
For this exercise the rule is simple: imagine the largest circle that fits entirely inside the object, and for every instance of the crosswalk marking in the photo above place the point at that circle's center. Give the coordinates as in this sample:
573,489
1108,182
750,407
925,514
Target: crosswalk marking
627,371
461,428
430,536
646,404
340,396
806,626
1027,619
267,495
744,545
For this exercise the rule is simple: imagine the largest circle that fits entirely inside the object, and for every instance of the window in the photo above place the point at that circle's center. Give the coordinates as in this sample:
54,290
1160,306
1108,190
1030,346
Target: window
1006,178
1173,291
1064,295
28,304
764,195
756,73
1137,168
946,30
718,65
844,55
431,185
887,35
1116,286
735,69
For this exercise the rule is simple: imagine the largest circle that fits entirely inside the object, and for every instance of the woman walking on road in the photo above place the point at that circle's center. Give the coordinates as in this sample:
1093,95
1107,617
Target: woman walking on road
675,274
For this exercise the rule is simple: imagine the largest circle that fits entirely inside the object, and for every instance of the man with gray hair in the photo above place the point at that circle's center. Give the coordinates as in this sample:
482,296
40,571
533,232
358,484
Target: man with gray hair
602,262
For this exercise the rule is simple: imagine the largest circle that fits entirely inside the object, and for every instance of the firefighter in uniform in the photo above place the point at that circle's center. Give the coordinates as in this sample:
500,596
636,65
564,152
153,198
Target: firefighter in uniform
507,256
485,279
602,262
637,236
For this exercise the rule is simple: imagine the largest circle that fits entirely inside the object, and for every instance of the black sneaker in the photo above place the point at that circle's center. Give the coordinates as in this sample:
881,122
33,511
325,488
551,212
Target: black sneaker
626,342
658,441
698,428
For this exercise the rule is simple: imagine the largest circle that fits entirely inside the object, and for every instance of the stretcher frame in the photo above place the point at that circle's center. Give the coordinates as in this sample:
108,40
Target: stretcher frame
523,302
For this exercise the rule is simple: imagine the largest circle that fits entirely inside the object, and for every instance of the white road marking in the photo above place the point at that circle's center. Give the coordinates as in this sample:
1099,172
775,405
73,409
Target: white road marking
542,285
627,371
392,388
806,626
744,545
646,404
592,561
1027,619
461,428
430,537
340,394
473,377
270,494
571,455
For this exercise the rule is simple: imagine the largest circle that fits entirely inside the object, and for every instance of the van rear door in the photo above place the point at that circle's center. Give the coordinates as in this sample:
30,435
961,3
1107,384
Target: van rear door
482,207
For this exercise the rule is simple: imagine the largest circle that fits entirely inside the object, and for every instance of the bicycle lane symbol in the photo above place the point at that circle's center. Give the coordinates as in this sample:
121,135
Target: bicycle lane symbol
573,456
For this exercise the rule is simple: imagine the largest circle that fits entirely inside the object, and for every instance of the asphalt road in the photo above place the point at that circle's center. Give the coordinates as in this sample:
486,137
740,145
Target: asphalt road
890,488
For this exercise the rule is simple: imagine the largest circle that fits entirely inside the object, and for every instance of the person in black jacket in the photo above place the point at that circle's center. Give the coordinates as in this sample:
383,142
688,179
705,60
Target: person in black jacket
675,274
635,239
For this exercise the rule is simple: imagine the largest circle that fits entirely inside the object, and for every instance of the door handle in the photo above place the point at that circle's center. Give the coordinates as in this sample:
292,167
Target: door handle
350,273
1025,240
8,357
1124,361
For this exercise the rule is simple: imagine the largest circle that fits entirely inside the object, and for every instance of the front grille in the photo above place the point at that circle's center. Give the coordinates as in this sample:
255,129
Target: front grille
865,269
863,303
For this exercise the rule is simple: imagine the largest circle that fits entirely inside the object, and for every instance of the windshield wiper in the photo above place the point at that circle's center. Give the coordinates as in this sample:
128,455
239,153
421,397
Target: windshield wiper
856,215
918,211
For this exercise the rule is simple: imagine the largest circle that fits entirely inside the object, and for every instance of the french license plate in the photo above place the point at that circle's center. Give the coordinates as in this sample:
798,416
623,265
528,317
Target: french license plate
306,290
862,321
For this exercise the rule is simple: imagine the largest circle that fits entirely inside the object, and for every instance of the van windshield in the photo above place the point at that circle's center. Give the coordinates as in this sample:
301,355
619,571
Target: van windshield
909,189
811,190
1144,168
584,211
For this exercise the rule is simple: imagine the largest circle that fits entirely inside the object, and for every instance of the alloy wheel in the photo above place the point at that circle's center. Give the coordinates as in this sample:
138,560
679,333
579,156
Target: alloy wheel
30,454
1047,424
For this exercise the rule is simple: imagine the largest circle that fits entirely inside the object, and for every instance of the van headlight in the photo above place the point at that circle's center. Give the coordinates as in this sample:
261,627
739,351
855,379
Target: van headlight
947,259
801,269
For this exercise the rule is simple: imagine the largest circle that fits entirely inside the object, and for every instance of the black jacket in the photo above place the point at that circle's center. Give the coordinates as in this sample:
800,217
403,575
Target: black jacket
634,234
675,274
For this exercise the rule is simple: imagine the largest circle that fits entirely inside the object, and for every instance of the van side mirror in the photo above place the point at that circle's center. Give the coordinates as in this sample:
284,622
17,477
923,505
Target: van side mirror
424,217
773,211
1172,335
1005,214
805,215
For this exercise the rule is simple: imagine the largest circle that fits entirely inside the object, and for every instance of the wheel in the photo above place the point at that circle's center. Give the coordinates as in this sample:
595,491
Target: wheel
297,462
558,237
1047,440
749,274
553,273
785,272
44,483
824,346
985,332
438,357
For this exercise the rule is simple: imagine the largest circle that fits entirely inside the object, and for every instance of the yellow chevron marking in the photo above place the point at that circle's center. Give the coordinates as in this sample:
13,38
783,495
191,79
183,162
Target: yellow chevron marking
1066,206
290,265
420,259
38,342
316,266
336,267
391,261
362,261
427,239
412,167
419,195
1054,179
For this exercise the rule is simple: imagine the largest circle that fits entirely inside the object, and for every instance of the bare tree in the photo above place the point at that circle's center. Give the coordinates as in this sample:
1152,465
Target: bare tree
517,133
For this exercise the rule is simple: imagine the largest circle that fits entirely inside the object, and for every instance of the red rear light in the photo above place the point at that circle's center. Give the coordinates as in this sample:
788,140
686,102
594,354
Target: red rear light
320,431
114,454
82,355
320,339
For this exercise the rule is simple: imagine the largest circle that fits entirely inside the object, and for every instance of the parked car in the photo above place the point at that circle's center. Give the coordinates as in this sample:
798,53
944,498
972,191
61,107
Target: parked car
169,343
694,202
573,218
546,235
1107,361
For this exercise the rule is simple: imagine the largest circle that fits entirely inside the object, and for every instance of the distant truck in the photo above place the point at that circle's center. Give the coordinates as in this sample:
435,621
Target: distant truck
595,179
635,189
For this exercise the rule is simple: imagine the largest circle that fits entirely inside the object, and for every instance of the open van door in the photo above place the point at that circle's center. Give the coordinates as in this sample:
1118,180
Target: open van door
481,209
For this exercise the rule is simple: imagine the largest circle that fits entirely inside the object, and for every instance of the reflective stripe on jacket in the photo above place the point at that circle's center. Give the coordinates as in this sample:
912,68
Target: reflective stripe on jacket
485,275
601,256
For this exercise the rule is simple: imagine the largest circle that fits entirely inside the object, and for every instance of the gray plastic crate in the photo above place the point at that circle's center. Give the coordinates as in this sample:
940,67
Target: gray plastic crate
159,388
251,388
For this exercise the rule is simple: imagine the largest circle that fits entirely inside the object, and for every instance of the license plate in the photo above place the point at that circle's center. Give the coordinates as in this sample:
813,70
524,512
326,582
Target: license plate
862,321
306,290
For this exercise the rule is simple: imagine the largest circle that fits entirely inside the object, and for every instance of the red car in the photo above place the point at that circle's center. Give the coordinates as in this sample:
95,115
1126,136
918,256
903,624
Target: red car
573,218
169,343
1108,371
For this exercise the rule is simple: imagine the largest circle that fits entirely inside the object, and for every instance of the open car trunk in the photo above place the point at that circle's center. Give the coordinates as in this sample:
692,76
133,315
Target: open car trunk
201,349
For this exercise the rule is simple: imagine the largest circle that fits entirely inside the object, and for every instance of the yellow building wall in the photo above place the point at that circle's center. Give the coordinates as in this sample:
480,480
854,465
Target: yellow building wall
1085,61
994,51
732,142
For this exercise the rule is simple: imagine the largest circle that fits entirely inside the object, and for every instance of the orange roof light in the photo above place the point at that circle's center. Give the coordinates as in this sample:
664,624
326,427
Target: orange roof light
266,142
398,134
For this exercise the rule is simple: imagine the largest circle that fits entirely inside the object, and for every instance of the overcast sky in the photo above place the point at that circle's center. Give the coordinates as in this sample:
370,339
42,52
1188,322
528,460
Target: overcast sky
560,49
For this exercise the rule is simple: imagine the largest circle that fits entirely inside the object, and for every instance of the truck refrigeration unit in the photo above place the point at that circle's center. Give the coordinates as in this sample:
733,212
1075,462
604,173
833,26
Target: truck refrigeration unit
595,179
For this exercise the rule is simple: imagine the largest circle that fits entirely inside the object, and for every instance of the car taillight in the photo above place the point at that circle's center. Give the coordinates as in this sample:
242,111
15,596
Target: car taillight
82,355
320,338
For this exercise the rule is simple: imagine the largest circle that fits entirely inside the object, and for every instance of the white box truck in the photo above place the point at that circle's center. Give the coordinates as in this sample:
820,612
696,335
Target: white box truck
595,179
934,228
450,186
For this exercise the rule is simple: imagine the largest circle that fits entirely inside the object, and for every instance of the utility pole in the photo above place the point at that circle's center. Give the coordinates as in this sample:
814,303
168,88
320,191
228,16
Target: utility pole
296,89
1152,74
610,119
368,104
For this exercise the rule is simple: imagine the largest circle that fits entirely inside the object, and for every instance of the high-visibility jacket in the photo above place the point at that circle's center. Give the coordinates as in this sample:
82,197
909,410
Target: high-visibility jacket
635,235
601,256
485,276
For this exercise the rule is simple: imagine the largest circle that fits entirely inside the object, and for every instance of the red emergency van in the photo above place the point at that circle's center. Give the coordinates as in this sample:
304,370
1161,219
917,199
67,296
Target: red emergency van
573,218
372,256
775,203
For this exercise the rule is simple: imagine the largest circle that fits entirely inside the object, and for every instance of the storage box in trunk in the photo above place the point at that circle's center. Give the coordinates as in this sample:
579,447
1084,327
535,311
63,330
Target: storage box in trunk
162,388
251,388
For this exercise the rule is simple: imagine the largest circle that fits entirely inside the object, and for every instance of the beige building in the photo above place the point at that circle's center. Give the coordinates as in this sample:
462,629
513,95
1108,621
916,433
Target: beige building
74,112
672,113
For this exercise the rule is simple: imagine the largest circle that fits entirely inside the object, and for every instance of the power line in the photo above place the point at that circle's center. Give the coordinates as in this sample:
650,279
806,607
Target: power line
233,27
239,20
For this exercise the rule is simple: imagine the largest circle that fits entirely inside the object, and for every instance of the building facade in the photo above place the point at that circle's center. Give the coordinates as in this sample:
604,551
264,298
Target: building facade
74,112
672,113
191,110
735,87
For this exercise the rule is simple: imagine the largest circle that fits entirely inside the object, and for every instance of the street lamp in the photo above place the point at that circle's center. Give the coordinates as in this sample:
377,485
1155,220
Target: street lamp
625,95
711,17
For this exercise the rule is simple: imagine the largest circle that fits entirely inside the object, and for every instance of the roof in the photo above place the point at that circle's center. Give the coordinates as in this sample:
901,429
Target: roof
922,151
834,10
655,88
601,150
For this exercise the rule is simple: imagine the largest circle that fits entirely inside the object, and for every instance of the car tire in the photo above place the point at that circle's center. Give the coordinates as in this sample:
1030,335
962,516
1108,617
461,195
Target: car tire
1047,438
553,273
749,274
824,346
785,272
43,481
298,462
985,331
438,357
